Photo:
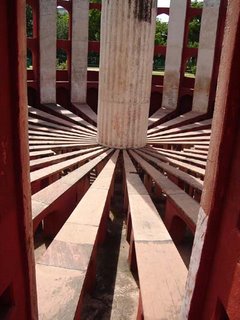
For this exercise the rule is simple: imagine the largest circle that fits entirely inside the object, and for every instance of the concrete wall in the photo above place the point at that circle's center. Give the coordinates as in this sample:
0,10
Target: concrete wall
79,50
175,44
47,43
206,53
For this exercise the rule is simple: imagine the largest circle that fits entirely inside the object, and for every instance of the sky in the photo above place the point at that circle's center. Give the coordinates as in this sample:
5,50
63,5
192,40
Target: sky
165,3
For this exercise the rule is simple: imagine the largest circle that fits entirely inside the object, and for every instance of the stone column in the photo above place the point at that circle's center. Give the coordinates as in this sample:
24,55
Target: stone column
80,10
126,58
47,34
175,44
206,55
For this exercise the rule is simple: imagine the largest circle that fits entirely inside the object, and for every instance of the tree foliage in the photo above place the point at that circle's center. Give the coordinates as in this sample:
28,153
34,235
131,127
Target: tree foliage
94,31
197,4
61,63
62,34
94,23
191,66
62,24
161,33
194,26
29,21
194,31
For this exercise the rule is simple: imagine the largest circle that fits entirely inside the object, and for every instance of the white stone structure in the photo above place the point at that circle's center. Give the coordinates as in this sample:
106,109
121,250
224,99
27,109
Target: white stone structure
48,49
175,44
206,53
79,50
127,46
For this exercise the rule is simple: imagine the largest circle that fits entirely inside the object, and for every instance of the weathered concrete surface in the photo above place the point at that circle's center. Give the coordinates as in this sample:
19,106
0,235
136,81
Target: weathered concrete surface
62,285
47,42
175,43
206,53
79,50
116,292
127,43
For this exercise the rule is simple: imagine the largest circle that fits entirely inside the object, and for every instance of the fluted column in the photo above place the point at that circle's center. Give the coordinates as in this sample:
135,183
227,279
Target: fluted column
126,56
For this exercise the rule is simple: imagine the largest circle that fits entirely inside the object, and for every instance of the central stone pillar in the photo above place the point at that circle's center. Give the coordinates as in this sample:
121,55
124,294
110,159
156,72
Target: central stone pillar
126,59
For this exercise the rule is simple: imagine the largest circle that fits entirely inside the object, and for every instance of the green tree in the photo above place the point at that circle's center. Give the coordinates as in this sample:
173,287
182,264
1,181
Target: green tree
29,59
61,62
29,21
29,31
194,32
62,34
194,27
191,66
62,24
94,23
197,4
94,33
161,33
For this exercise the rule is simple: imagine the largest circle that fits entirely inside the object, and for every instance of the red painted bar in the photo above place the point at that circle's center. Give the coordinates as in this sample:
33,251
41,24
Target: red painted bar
17,270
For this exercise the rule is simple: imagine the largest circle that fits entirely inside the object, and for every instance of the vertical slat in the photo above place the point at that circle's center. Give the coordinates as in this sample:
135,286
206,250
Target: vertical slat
79,50
206,54
48,14
175,44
